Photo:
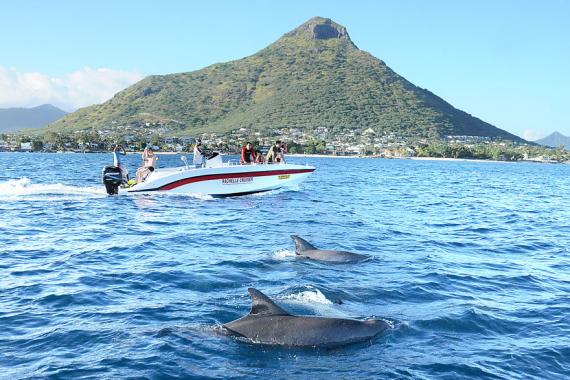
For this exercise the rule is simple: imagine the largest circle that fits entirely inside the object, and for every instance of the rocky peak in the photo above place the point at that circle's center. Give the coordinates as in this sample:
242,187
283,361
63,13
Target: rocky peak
319,28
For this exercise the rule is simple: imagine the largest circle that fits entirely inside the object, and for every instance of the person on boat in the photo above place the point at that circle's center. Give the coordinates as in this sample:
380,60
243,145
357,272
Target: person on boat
149,162
283,151
117,152
247,154
149,158
259,159
275,153
198,160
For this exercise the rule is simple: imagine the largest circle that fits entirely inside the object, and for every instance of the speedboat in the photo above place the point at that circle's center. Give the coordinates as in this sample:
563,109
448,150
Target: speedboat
215,178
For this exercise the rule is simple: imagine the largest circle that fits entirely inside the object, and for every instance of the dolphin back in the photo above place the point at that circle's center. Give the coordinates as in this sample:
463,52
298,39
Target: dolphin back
301,244
267,323
334,256
262,305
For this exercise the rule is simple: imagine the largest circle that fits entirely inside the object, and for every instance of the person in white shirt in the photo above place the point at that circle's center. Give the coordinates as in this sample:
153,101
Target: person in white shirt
119,150
198,154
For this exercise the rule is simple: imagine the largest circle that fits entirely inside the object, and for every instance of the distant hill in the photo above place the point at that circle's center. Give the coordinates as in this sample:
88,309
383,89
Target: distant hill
313,76
13,119
555,140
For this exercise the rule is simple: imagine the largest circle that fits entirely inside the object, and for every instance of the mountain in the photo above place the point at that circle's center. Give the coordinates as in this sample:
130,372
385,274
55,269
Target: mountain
13,119
313,76
555,140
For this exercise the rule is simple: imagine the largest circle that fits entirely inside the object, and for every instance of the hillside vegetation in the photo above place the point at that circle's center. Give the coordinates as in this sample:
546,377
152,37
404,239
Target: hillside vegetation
313,76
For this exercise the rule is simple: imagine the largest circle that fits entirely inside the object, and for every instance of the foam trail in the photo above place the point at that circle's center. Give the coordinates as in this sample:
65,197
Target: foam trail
283,254
285,189
314,296
199,196
24,186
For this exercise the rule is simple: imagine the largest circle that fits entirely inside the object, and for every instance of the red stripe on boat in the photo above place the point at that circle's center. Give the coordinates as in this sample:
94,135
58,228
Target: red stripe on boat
210,177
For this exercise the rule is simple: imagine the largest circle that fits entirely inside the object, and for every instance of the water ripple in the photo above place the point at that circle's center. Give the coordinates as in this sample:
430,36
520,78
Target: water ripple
472,272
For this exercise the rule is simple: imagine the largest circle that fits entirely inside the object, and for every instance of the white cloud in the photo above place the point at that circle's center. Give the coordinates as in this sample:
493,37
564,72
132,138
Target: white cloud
533,134
71,91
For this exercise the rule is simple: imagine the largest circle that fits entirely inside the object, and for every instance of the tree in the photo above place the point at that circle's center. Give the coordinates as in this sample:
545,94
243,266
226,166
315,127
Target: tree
321,146
309,148
37,145
155,139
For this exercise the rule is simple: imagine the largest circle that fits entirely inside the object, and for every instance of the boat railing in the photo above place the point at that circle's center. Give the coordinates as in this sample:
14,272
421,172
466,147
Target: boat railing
238,163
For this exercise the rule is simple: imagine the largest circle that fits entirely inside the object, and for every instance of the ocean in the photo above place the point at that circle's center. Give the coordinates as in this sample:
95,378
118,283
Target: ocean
470,267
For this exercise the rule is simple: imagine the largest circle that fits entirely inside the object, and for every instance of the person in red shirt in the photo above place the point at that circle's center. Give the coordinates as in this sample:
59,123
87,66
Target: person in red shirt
247,154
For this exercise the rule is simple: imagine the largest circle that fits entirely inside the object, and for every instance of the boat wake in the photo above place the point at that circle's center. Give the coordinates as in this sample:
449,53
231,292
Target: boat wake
198,196
281,190
310,296
22,187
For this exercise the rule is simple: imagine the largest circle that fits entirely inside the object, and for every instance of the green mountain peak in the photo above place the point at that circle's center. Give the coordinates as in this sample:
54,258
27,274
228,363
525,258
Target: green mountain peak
313,76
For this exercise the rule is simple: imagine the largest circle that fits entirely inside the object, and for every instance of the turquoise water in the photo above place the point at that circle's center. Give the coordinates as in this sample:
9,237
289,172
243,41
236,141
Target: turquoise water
470,266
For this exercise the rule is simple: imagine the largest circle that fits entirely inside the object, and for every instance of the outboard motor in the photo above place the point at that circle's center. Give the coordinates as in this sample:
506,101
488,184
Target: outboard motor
112,179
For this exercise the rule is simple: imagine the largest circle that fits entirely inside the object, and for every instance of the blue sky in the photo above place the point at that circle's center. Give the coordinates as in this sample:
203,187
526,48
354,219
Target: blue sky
506,62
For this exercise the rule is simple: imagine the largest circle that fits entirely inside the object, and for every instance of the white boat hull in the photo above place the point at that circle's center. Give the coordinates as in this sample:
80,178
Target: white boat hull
224,180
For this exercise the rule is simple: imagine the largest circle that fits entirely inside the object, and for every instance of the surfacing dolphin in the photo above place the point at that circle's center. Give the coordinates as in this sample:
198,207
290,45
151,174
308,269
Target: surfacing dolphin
305,249
268,323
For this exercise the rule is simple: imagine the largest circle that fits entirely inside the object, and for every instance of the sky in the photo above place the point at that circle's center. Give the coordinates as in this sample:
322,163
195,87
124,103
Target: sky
506,62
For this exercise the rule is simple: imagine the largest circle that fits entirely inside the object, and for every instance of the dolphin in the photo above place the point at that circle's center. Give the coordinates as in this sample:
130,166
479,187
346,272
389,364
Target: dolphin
305,249
269,324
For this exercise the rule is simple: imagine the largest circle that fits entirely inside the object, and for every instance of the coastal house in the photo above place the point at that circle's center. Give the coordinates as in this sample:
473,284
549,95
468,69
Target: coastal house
187,140
408,152
26,147
355,149
171,140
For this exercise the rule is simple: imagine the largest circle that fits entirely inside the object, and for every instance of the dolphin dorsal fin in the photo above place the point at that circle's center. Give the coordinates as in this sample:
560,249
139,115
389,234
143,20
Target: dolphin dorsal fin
262,305
301,244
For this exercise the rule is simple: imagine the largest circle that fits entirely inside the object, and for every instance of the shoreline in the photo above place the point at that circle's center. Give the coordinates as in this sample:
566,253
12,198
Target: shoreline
306,155
422,158
322,155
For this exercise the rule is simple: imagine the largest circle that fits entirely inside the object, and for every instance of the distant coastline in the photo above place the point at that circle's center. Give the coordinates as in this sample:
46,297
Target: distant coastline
421,158
307,155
